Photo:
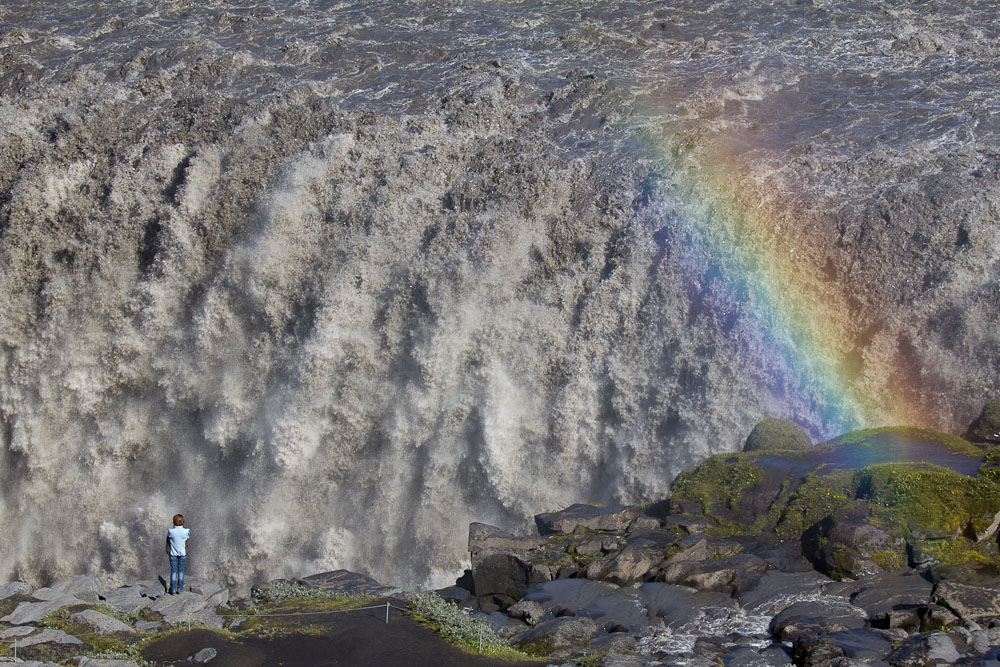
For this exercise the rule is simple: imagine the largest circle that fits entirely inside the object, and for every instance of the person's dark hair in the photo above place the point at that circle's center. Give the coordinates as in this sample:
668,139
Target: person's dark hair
178,519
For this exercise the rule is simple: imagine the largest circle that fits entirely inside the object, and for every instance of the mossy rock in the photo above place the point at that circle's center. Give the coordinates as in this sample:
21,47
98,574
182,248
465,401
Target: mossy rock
986,427
777,434
717,484
928,496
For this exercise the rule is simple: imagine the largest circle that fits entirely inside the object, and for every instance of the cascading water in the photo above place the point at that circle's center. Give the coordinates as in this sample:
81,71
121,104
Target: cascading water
336,279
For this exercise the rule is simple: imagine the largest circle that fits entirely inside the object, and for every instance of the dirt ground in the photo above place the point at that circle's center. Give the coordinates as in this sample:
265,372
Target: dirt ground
359,639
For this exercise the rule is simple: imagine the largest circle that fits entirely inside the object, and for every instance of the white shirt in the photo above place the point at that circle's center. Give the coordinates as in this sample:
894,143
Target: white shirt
178,535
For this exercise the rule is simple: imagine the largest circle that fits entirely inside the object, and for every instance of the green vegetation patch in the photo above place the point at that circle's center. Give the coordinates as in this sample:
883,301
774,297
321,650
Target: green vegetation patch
929,496
953,443
459,628
719,479
817,497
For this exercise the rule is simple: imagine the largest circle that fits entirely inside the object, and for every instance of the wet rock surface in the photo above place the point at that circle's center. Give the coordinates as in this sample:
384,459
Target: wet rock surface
819,571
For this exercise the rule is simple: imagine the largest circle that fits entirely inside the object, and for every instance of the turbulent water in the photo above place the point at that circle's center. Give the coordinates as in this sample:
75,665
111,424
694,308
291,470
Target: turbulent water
334,279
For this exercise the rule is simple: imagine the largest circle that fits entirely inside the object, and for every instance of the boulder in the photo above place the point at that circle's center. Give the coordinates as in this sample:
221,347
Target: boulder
126,599
504,566
17,631
891,600
970,603
528,611
204,655
809,619
455,594
179,608
79,586
776,591
484,538
624,567
215,594
558,636
730,574
846,543
986,427
32,612
925,649
861,644
14,588
644,522
780,434
506,576
616,518
100,623
48,636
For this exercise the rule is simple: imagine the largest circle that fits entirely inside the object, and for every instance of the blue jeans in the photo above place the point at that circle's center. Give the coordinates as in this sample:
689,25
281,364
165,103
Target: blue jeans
176,574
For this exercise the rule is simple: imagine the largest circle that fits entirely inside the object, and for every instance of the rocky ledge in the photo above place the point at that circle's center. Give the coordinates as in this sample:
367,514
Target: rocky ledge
879,547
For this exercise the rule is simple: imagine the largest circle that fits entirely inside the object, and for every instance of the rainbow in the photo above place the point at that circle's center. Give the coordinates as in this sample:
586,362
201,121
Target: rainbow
792,315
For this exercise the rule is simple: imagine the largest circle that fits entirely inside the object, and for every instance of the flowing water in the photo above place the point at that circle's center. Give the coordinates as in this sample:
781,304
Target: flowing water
334,279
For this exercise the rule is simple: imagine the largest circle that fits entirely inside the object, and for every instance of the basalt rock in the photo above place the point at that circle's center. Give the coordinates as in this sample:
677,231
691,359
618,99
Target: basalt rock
777,434
615,519
986,427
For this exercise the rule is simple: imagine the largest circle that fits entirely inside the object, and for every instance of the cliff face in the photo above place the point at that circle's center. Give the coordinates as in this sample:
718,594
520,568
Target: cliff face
286,275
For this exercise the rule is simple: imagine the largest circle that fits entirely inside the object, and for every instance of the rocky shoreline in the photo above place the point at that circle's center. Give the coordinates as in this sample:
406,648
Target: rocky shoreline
879,547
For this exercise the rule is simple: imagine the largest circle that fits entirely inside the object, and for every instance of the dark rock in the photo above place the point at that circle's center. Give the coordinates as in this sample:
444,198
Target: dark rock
986,427
816,618
862,644
771,656
527,610
674,605
971,603
730,574
691,525
557,635
891,600
13,588
504,566
127,599
624,567
780,434
644,522
935,617
772,592
688,507
345,581
100,623
204,655
32,612
601,601
616,642
846,543
508,574
455,594
615,519
79,586
925,649
484,538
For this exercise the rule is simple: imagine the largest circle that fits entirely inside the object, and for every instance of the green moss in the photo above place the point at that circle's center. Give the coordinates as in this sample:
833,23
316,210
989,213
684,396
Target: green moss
951,442
720,479
889,560
777,434
960,551
816,498
929,496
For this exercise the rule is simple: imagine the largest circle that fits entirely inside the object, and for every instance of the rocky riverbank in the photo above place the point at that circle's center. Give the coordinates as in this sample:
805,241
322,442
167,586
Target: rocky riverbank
879,547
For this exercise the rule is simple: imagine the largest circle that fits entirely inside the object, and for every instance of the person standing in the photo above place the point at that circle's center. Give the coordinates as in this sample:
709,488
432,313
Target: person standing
177,538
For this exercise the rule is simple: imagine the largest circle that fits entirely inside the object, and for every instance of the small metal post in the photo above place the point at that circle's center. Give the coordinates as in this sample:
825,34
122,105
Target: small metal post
387,612
480,637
